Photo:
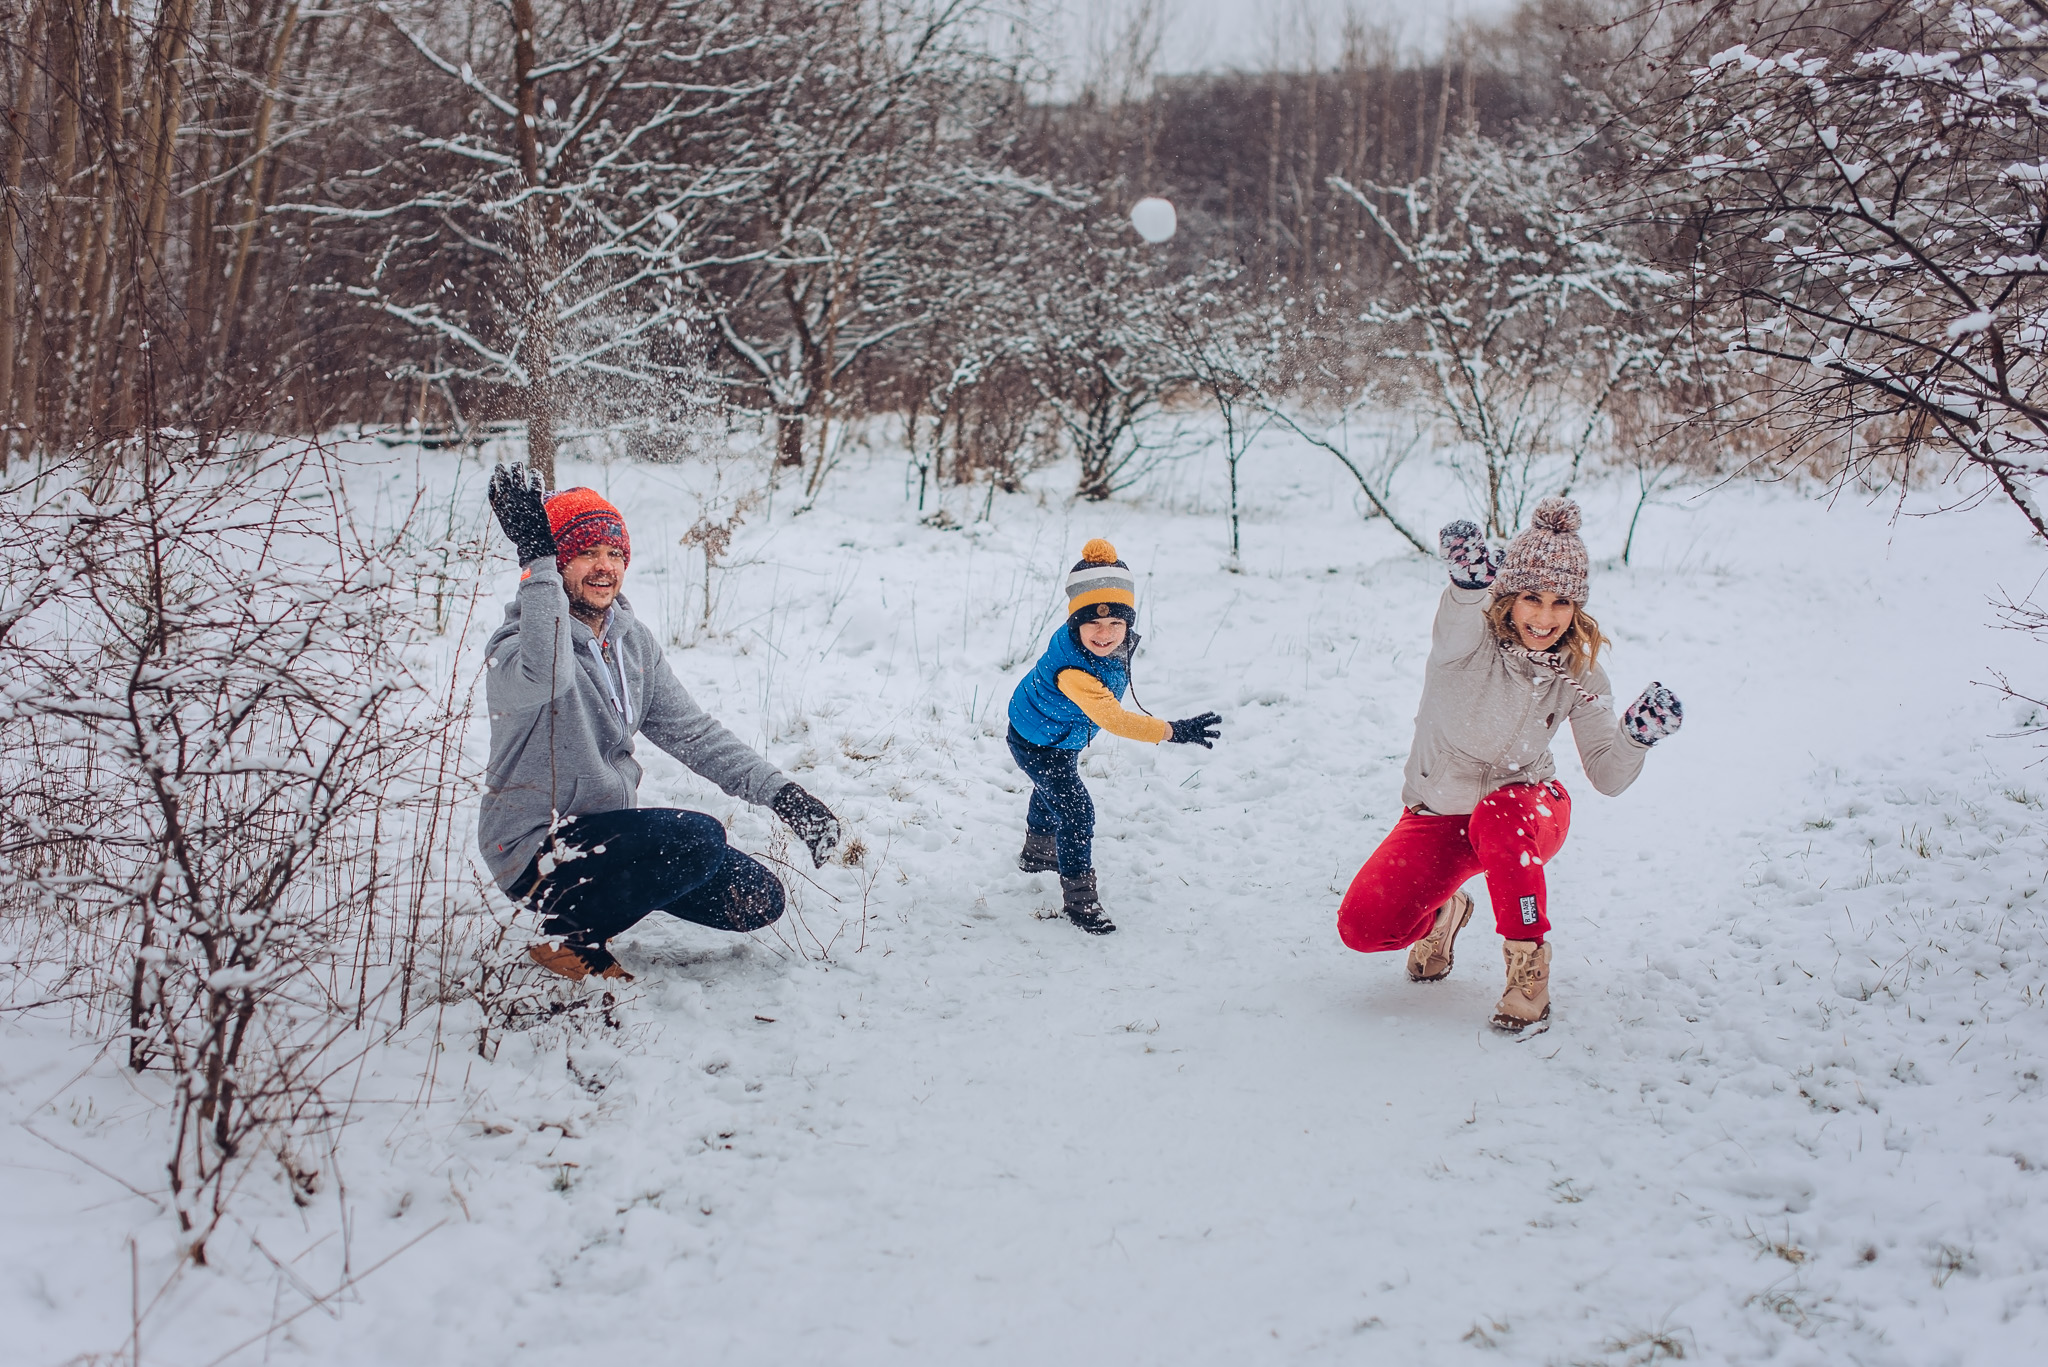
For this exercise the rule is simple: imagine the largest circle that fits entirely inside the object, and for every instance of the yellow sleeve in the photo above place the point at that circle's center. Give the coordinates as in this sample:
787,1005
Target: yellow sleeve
1093,697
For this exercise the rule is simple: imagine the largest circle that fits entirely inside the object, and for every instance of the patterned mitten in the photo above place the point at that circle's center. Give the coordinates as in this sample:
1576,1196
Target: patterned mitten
1472,560
1654,715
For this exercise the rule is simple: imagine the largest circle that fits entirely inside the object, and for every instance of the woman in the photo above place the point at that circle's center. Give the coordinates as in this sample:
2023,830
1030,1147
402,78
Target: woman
1514,656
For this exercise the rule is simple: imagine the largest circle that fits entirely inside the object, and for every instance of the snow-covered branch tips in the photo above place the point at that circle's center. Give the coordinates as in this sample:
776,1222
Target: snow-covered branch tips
1869,220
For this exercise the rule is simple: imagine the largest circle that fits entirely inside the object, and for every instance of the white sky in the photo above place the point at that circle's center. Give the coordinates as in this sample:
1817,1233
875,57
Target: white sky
1207,34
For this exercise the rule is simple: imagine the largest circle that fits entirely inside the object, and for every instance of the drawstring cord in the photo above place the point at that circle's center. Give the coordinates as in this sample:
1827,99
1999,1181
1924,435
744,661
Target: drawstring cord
1131,673
1549,662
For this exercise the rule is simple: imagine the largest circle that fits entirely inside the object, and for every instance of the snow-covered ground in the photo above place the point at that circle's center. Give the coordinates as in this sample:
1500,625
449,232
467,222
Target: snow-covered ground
1790,1109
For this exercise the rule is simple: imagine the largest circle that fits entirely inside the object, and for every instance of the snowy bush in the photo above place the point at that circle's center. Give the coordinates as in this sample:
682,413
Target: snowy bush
1098,351
1862,188
1524,312
228,844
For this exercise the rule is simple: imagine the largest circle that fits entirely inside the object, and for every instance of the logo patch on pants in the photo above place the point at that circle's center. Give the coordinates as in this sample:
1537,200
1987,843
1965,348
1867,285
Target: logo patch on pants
1528,911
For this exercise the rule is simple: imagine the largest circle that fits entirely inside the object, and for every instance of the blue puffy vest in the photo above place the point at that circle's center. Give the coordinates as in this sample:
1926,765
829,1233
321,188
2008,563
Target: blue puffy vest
1045,716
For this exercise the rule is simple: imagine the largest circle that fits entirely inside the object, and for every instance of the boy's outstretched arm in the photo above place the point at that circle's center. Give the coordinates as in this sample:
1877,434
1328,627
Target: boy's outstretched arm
1093,697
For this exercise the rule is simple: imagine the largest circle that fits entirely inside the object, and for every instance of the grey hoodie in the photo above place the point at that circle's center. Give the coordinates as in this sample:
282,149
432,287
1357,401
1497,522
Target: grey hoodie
1487,717
563,716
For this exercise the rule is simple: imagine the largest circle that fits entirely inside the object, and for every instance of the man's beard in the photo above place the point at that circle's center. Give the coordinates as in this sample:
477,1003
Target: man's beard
579,606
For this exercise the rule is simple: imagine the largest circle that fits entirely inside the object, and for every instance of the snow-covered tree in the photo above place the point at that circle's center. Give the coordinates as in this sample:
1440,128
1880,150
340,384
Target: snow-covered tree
1866,191
868,137
540,179
1523,310
1098,347
1232,347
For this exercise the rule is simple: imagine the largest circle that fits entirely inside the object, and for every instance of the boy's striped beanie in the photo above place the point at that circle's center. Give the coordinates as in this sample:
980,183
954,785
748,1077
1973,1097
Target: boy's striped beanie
1101,585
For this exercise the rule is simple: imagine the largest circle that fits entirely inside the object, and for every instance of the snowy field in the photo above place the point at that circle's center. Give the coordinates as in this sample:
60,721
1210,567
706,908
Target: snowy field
1790,1109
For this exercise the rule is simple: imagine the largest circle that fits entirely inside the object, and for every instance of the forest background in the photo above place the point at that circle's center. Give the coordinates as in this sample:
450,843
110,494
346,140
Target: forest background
753,240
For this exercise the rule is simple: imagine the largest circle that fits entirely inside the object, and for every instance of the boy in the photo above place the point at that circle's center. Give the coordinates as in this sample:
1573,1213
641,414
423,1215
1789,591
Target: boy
1074,690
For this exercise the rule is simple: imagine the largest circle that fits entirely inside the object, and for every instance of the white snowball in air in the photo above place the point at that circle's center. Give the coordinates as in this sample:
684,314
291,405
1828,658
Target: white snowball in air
1153,218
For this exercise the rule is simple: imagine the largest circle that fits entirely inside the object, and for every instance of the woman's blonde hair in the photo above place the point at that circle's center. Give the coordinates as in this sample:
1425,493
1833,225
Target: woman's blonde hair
1579,646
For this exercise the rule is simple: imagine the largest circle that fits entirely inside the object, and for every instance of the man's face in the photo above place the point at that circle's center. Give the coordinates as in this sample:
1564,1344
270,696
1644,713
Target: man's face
593,578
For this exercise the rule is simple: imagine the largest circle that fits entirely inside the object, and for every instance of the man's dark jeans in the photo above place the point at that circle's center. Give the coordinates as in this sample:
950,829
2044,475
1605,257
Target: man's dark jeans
607,870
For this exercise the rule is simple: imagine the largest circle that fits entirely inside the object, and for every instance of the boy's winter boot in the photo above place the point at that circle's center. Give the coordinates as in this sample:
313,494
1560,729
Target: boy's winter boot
1082,908
1527,1000
1041,852
577,962
1429,959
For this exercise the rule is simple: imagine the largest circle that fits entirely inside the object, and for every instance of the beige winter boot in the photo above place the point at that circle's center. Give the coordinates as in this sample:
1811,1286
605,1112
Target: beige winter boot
1527,1000
1429,958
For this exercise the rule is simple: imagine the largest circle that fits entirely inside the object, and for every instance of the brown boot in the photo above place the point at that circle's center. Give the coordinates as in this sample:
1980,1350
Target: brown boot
577,962
1429,958
1527,1000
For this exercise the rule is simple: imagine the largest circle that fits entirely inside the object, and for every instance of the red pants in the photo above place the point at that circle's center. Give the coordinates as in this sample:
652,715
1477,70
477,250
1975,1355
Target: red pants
1509,836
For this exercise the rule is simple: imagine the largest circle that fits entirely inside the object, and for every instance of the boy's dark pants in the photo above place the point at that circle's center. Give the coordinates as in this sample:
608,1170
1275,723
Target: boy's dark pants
1060,805
628,863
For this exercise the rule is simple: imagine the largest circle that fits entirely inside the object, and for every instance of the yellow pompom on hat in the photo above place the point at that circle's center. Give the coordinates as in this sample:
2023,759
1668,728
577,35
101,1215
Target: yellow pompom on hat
1101,585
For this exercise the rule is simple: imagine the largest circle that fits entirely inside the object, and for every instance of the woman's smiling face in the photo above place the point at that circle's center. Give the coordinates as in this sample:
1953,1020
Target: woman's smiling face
1540,619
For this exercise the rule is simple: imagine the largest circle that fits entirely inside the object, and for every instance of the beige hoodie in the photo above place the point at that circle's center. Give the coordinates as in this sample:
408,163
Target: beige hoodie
1487,717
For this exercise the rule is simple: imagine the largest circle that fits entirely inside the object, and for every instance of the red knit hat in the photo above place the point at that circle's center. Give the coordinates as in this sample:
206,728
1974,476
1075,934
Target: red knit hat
581,518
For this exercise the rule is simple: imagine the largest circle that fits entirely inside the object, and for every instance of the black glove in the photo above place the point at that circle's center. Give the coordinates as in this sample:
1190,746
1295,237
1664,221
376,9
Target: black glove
516,497
1196,731
1472,562
811,819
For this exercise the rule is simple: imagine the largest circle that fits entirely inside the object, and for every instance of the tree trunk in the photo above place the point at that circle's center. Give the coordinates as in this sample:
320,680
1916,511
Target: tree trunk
538,266
789,439
1272,172
16,132
252,209
1436,147
160,116
1305,211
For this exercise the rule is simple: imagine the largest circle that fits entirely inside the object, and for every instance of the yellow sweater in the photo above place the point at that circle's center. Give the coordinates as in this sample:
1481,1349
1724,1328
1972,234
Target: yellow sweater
1093,697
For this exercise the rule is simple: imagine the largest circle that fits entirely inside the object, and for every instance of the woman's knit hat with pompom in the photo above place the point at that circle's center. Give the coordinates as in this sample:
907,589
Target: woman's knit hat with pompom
1101,585
1547,557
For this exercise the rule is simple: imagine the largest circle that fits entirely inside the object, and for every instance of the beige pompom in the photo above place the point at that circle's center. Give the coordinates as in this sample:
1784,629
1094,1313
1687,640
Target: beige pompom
1556,515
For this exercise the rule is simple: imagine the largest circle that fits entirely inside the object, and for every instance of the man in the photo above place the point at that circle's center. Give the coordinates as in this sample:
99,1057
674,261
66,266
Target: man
570,678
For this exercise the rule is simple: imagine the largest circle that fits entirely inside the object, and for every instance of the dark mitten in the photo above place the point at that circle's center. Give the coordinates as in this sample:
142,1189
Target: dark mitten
811,819
1654,715
1197,731
1472,560
517,498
